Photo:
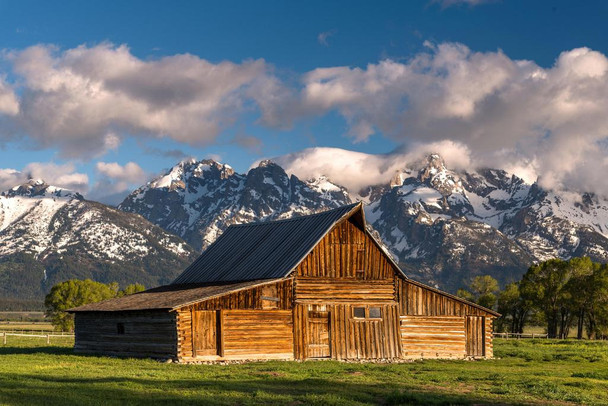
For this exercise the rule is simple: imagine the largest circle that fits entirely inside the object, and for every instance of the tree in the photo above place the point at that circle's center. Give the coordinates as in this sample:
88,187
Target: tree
576,300
481,290
544,285
74,292
514,309
597,305
130,289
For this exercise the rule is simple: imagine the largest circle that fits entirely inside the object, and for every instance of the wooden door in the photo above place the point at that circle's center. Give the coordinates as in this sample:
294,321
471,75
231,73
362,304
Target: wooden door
204,332
475,335
318,334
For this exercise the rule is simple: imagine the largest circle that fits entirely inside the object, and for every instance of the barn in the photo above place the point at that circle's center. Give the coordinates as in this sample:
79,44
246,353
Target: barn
317,286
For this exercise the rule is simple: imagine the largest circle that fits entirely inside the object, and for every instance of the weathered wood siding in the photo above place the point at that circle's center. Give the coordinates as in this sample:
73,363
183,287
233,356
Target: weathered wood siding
423,310
350,338
433,337
345,270
253,298
335,290
269,300
258,334
128,334
346,252
418,300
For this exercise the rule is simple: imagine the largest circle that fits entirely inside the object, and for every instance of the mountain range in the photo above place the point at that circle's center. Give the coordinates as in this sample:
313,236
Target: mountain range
49,234
443,226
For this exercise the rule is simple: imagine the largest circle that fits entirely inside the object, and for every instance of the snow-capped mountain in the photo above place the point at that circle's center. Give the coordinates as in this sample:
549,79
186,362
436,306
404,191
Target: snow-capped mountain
49,234
198,200
447,226
443,226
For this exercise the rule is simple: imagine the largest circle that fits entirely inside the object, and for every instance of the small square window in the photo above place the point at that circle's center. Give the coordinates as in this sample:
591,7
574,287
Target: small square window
359,312
120,328
374,313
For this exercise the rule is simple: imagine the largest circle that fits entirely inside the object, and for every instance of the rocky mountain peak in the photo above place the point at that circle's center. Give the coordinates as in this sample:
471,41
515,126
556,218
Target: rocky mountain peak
39,188
435,174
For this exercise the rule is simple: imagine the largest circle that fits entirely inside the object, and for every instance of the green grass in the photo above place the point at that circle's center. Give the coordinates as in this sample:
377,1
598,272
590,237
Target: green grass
527,372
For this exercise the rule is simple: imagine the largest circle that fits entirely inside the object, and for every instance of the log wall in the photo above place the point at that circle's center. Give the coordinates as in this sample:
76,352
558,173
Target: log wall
258,334
418,300
350,338
433,337
424,309
335,290
143,333
254,298
269,300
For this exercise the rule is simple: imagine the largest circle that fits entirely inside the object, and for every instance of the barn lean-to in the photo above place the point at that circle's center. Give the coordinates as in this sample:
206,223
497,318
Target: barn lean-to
317,286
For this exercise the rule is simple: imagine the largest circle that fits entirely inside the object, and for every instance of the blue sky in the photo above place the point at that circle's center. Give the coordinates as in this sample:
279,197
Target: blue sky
278,48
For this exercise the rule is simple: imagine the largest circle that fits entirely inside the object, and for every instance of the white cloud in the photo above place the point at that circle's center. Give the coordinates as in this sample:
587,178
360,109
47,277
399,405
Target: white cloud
84,99
60,175
541,122
9,104
358,170
115,181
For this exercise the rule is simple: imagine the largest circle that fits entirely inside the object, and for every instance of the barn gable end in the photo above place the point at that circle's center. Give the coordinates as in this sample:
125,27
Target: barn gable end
317,286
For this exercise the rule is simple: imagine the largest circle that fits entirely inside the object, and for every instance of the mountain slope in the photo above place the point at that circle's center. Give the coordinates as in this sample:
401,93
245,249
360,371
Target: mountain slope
443,226
49,234
199,200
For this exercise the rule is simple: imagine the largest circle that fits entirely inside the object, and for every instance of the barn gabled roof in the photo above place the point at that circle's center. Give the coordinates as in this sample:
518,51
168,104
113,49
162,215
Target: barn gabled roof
265,250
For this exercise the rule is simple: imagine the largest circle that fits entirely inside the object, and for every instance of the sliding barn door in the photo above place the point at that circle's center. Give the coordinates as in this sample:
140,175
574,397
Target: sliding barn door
204,332
318,334
474,327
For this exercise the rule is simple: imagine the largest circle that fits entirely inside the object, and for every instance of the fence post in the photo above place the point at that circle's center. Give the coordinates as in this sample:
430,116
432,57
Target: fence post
48,338
4,338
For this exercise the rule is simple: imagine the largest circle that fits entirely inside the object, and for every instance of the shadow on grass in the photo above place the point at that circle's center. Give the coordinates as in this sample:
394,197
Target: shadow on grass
35,389
53,350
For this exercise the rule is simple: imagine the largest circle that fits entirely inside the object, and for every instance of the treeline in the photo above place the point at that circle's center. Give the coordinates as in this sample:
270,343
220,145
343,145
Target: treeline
562,295
74,293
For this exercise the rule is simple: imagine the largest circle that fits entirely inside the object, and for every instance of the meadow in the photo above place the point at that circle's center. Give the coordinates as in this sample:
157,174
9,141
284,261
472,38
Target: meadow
544,372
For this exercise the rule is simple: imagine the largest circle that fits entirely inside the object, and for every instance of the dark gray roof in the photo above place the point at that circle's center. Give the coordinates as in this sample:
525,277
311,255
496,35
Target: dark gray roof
167,297
265,250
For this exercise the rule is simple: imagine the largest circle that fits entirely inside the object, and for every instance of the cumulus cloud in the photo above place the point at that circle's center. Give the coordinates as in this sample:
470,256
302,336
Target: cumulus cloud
542,122
358,170
9,104
84,99
115,181
61,175
548,123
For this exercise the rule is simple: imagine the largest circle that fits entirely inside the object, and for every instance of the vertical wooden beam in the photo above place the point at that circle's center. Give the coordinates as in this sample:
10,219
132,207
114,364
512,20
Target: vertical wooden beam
192,330
220,333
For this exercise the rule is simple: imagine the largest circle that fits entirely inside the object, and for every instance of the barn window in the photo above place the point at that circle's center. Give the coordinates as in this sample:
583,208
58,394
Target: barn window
359,312
374,313
120,328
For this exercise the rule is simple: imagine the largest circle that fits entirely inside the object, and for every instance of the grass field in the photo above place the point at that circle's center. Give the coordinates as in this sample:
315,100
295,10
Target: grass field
26,325
528,372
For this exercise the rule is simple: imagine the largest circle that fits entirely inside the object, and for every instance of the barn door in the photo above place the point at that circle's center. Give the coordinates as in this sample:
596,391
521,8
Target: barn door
318,334
474,327
204,332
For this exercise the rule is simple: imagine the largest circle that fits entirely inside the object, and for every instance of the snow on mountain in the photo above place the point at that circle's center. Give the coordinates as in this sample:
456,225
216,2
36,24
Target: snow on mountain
72,237
197,200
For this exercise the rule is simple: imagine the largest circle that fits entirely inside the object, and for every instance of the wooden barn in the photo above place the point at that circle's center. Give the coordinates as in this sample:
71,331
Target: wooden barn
317,286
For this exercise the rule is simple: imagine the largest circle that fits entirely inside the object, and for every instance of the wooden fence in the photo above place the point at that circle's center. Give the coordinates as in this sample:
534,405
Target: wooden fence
517,336
47,335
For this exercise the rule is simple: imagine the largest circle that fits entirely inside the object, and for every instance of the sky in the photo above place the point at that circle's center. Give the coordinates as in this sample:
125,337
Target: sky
101,96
